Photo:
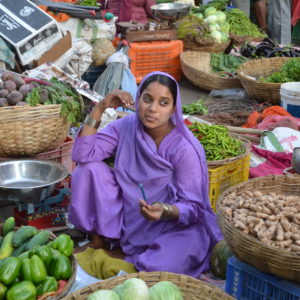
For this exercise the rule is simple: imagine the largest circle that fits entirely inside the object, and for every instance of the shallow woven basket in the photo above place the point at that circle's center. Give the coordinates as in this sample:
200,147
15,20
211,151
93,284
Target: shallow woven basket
222,162
250,250
214,48
28,130
261,91
196,67
191,288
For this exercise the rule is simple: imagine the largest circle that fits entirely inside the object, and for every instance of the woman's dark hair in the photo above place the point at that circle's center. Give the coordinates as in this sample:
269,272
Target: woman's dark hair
163,80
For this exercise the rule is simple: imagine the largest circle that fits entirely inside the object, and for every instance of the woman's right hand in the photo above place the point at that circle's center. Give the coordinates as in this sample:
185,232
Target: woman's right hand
115,99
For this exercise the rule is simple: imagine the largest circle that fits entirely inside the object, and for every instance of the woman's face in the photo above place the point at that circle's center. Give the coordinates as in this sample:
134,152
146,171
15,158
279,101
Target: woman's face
156,106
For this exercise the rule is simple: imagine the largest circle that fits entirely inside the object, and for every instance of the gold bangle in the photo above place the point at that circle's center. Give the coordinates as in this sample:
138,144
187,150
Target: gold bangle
167,213
89,121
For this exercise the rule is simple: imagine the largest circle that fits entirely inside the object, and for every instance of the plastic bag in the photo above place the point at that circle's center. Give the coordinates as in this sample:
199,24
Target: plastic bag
102,49
237,93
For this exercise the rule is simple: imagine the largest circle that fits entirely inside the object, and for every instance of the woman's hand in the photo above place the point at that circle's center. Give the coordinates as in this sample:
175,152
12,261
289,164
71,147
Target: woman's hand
115,99
151,212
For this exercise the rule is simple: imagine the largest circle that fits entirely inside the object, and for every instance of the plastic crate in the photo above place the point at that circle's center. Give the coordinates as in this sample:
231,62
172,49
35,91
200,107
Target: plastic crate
226,176
62,154
245,282
146,57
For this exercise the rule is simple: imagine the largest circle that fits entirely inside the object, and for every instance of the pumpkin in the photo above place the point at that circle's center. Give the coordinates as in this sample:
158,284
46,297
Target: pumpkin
218,260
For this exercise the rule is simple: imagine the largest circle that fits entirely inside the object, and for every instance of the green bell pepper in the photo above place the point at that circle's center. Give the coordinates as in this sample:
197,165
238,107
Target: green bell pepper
33,269
48,285
37,269
23,290
44,252
64,244
61,268
9,270
3,290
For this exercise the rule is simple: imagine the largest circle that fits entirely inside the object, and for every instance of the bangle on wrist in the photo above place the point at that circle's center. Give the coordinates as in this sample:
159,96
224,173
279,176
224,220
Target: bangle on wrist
167,213
89,121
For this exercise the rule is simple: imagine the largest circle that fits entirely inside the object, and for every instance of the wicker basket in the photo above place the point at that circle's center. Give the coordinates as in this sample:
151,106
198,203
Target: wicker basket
191,288
28,130
196,67
214,48
261,91
250,250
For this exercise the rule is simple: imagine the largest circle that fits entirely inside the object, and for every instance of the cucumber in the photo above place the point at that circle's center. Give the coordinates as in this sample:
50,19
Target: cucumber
1,240
7,246
39,239
23,234
8,226
20,250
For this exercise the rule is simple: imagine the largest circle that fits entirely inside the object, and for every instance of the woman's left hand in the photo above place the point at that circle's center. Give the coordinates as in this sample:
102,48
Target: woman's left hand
151,212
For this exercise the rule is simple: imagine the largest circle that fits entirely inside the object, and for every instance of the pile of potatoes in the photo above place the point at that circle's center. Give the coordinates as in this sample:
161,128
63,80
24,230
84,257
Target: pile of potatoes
271,218
13,89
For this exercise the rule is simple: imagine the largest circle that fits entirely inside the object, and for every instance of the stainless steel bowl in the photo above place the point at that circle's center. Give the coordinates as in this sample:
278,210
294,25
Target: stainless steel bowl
170,11
29,180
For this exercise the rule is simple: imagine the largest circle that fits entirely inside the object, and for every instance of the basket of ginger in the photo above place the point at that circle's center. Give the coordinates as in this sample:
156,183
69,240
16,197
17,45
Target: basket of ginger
260,220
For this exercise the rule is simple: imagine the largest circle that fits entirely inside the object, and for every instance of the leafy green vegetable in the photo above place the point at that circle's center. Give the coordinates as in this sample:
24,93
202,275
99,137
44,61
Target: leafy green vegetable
195,108
241,25
216,141
103,295
217,4
132,289
165,290
289,72
88,3
59,93
226,65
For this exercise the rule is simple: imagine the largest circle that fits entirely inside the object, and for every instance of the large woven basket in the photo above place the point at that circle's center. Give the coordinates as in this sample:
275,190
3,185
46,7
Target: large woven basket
28,130
191,288
250,250
214,48
196,67
250,71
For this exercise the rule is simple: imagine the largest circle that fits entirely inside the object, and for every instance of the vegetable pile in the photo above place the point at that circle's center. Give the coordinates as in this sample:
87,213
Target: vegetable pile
195,108
15,90
216,141
241,25
206,28
136,289
268,48
30,264
273,219
289,72
226,65
217,4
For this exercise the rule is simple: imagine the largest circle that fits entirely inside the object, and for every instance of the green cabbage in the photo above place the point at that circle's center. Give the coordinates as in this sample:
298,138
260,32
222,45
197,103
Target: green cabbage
210,11
225,27
217,35
132,289
210,20
165,290
213,27
221,17
103,295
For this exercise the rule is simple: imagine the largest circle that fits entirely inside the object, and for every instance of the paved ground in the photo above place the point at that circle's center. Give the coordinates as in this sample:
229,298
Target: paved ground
189,92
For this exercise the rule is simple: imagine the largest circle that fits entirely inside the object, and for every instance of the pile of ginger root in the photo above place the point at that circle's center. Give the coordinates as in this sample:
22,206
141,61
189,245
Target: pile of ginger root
271,218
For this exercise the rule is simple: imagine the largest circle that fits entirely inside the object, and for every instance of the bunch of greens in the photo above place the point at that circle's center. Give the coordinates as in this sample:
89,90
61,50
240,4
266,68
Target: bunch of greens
226,65
241,25
216,141
195,108
217,4
289,72
191,27
58,92
89,3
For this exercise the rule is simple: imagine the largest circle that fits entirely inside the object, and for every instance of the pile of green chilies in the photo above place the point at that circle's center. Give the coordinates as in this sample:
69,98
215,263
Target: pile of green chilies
216,141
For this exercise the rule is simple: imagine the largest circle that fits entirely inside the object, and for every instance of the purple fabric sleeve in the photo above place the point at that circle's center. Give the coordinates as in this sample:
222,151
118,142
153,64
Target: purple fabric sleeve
187,180
98,146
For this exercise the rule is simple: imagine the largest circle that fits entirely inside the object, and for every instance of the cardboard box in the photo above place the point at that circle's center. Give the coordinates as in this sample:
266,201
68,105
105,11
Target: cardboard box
28,29
60,48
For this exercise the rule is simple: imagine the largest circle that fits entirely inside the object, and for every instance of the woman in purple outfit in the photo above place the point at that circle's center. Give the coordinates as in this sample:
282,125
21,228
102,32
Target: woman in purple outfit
174,229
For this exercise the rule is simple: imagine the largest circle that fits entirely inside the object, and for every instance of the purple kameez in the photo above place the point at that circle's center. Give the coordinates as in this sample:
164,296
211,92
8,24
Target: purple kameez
105,200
